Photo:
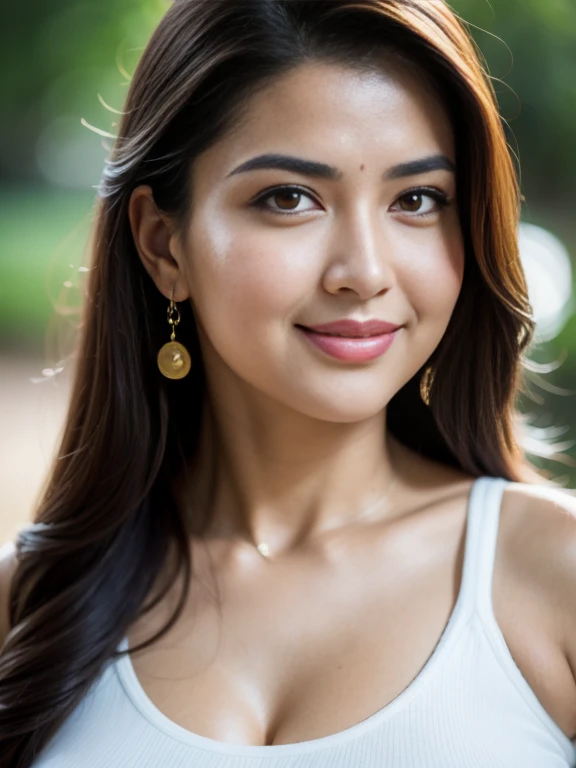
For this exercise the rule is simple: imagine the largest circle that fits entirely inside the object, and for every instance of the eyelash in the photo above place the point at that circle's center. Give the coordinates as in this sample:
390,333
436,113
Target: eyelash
436,194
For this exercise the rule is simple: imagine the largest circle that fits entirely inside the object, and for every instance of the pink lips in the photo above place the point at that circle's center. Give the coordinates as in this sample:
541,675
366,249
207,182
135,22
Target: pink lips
350,327
358,342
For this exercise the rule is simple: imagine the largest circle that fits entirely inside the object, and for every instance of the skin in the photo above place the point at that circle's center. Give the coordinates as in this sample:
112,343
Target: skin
300,434
292,449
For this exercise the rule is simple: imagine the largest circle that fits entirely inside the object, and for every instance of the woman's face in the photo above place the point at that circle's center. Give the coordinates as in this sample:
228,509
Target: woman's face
369,239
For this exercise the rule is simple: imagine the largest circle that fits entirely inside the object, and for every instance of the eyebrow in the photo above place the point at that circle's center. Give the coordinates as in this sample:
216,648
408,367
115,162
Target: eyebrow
331,173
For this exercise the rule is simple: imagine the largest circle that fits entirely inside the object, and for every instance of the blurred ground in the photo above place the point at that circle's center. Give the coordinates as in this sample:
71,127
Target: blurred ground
32,415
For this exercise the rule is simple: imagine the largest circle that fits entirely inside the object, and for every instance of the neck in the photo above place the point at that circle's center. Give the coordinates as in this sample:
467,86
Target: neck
280,488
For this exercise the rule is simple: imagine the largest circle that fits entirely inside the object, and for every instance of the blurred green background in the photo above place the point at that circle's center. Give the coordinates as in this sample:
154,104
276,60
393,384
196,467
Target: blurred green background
63,61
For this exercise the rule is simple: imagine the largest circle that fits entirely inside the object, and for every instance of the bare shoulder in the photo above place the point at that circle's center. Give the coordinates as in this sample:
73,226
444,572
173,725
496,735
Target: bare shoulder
537,559
539,531
8,564
533,592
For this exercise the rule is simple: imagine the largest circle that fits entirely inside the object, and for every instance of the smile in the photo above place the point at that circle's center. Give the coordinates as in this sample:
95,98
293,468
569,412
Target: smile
354,349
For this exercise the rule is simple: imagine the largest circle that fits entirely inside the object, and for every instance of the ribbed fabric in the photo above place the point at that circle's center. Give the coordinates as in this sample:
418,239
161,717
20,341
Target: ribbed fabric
469,707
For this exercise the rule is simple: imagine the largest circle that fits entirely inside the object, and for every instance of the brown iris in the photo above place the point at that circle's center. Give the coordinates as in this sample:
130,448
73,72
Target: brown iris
289,196
413,201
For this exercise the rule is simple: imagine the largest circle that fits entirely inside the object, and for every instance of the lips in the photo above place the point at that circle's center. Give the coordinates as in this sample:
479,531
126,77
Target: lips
347,335
354,328
350,349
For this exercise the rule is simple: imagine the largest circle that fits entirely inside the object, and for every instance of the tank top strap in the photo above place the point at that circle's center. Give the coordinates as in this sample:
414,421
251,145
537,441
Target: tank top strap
483,516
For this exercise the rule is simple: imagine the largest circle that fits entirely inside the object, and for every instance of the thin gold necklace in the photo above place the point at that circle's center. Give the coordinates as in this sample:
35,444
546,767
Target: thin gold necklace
264,550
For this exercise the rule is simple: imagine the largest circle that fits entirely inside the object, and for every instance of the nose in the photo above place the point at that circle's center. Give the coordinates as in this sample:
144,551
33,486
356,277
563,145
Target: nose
359,259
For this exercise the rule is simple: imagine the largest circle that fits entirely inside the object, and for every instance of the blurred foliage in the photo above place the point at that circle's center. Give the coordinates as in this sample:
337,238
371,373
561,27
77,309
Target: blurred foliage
65,61
55,58
530,48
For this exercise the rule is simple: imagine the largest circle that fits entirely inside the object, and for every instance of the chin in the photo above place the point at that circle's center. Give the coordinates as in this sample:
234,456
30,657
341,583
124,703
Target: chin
342,408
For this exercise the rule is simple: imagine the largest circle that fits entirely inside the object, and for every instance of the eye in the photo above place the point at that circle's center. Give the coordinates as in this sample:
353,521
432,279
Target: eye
288,198
412,202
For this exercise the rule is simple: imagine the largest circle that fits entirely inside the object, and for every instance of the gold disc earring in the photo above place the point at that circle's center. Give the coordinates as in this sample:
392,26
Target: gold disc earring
173,358
426,384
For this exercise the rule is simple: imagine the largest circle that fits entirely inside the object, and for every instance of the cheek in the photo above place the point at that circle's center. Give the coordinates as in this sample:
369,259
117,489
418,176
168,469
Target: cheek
430,274
248,282
252,272
263,282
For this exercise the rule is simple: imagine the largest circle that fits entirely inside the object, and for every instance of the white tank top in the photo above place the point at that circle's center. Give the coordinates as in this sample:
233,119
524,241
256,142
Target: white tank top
469,707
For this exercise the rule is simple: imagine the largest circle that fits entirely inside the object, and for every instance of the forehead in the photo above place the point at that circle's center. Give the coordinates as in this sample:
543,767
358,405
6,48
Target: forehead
329,112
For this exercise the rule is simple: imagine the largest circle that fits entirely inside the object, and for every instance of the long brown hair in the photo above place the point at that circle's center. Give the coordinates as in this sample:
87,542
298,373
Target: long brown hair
108,516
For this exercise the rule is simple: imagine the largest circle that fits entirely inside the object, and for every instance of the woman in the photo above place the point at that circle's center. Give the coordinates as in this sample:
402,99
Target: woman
291,482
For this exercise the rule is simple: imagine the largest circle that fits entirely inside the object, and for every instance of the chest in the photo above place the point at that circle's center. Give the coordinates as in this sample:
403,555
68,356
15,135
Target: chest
276,653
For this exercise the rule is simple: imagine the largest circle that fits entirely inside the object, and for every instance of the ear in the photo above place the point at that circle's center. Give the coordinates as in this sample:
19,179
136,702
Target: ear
156,243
